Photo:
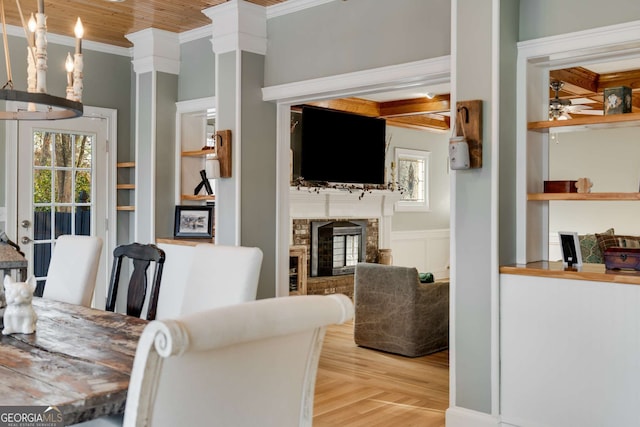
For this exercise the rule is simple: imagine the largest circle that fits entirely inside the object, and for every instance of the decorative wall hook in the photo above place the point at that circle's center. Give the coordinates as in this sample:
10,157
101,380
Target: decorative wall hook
466,113
469,120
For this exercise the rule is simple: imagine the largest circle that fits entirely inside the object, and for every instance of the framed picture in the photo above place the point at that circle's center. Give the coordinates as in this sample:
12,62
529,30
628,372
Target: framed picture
194,221
570,245
412,172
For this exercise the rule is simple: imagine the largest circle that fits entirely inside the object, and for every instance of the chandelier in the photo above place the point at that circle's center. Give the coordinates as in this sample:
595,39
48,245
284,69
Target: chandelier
40,104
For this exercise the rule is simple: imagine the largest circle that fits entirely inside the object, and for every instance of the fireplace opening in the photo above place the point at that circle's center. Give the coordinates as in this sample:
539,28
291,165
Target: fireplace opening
337,246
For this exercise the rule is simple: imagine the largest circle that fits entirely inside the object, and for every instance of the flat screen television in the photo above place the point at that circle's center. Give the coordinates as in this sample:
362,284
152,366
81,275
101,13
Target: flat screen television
341,147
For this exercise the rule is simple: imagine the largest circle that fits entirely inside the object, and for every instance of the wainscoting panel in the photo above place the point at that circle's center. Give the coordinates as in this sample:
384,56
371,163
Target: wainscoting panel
427,250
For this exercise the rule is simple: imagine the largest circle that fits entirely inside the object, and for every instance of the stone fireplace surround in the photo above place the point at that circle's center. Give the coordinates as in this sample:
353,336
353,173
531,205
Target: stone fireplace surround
307,205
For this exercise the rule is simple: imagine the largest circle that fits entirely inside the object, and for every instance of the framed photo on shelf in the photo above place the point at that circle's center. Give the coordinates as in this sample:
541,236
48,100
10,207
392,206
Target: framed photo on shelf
193,221
570,245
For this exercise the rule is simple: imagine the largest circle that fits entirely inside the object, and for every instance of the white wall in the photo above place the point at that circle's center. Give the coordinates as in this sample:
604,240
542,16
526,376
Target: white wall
437,144
609,157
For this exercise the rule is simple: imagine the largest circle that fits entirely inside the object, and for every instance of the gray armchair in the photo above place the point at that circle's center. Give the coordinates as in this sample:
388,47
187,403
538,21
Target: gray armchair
396,313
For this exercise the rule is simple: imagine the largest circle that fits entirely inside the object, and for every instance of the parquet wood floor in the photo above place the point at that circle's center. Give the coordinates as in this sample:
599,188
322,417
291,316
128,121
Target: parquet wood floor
361,387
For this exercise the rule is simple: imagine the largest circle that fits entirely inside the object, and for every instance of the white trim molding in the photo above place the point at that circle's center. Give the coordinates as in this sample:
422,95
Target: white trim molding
461,417
429,71
293,6
155,50
239,25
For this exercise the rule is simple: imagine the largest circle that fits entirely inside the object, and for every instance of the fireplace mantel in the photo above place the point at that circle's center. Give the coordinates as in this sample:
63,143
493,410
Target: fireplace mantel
333,203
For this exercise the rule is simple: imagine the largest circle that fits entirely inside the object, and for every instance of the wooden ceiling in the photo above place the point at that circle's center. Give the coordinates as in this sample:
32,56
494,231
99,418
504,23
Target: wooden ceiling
109,21
583,84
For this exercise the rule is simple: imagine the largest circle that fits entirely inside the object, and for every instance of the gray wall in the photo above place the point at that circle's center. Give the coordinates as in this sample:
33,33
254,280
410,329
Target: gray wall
437,144
345,36
258,158
165,130
197,70
541,18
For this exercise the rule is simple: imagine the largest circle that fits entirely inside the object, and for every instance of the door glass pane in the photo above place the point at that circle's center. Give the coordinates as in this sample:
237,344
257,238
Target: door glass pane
64,153
42,186
42,149
62,174
63,185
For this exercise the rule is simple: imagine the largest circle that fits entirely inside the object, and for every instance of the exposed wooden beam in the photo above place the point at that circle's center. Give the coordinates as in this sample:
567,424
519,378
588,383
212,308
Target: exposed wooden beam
623,78
416,106
421,122
577,80
351,105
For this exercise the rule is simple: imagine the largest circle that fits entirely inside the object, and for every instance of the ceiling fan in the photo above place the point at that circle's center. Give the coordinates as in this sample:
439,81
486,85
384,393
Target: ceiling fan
559,109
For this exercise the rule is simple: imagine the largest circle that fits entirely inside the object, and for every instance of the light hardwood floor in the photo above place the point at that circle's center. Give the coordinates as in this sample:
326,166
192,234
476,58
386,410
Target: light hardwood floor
362,387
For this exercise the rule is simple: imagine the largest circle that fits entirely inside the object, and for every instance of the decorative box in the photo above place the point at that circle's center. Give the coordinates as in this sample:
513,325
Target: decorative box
622,258
617,100
560,187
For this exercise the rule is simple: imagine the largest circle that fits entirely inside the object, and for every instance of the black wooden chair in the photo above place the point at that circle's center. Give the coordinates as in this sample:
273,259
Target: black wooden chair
142,255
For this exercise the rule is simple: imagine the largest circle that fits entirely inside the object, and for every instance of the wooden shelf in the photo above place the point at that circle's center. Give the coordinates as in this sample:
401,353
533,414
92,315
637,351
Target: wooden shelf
122,165
593,272
591,122
584,196
198,197
198,153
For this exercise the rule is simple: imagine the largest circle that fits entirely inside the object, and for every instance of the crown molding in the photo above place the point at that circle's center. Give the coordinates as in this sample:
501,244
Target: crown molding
238,25
292,6
155,50
429,71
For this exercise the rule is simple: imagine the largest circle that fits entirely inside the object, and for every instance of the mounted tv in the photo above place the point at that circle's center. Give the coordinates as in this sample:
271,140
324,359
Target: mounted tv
341,147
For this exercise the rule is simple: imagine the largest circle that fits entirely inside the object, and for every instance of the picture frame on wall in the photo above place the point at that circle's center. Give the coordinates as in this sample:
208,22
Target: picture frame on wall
570,246
412,179
193,221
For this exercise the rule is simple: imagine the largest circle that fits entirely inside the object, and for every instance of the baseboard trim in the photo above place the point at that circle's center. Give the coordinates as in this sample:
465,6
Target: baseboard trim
462,417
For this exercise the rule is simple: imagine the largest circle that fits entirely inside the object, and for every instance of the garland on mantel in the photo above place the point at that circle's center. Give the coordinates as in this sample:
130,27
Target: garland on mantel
316,186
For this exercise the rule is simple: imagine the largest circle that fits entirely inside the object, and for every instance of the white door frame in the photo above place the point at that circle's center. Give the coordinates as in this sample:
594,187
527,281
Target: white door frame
11,185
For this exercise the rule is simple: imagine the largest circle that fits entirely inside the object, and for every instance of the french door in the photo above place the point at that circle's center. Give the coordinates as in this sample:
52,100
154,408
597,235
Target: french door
62,189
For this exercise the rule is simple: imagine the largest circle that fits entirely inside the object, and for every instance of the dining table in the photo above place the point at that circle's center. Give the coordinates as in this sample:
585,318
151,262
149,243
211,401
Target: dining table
78,360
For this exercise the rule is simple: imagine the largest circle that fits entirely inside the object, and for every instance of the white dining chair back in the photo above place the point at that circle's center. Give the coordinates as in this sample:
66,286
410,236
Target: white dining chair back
73,269
250,364
221,275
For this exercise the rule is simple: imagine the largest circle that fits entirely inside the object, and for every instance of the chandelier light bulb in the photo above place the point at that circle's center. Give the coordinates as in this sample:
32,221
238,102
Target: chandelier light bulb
68,64
32,23
79,29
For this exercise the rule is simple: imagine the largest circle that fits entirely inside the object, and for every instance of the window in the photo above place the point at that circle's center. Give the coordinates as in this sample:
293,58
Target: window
412,172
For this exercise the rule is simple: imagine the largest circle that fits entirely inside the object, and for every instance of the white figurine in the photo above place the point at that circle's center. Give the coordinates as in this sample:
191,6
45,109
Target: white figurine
19,315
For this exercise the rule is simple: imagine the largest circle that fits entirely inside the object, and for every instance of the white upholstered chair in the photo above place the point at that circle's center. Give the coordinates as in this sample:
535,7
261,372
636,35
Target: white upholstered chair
245,365
73,269
221,275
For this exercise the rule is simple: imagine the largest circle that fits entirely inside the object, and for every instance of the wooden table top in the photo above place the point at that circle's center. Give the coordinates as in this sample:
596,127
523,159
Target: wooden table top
79,360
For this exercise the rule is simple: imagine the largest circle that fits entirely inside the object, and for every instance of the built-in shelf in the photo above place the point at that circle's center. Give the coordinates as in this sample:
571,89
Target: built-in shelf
199,197
590,122
198,153
584,196
124,165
